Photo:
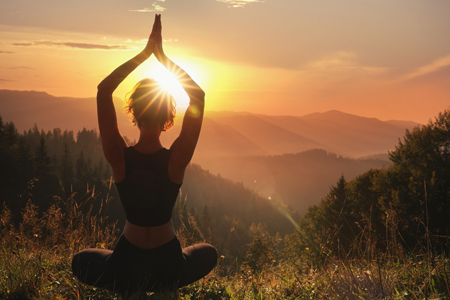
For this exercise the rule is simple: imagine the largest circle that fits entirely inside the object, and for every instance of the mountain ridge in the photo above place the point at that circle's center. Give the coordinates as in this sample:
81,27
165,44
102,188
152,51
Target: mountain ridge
230,133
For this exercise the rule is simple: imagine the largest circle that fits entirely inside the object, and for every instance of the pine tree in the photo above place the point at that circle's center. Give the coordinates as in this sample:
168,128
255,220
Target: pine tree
66,170
48,183
80,173
43,161
205,224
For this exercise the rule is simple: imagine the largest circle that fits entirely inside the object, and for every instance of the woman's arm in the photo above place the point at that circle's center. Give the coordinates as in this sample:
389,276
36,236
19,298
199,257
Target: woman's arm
112,140
183,147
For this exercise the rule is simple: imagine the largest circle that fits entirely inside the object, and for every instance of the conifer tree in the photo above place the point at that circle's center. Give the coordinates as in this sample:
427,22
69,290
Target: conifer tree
205,224
80,173
66,170
48,184
43,161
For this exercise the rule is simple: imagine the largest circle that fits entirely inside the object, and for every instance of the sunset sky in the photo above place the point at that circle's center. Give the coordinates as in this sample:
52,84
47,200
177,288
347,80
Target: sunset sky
388,59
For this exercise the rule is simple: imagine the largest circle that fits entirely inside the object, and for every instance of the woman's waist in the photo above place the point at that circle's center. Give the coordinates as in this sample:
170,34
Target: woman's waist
149,237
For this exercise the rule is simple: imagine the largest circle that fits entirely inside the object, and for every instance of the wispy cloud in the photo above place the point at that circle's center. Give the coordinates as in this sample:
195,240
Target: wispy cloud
238,3
345,61
75,45
6,52
430,68
23,44
154,8
4,80
15,68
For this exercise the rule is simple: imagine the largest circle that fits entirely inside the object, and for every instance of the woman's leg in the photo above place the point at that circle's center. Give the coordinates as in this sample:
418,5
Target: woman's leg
89,266
200,260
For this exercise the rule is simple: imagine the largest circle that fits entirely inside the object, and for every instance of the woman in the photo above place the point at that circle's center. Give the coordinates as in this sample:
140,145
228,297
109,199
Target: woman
148,255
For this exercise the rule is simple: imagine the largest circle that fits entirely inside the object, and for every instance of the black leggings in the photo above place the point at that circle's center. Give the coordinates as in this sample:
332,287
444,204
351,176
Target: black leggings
129,269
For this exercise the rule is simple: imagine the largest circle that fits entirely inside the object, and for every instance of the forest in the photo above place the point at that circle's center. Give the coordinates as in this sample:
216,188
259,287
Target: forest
381,235
50,167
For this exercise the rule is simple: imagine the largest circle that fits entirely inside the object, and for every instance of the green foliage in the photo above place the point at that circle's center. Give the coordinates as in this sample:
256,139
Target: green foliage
382,235
35,257
48,167
35,264
205,289
402,208
259,255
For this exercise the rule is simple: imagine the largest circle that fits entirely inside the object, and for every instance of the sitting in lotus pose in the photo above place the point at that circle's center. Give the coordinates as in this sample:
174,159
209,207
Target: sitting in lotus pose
148,255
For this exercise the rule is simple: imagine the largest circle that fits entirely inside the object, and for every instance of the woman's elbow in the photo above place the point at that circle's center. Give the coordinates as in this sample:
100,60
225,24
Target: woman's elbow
104,87
198,97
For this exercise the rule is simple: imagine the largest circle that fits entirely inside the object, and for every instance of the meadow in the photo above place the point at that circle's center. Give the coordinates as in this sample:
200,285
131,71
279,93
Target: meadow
382,235
35,263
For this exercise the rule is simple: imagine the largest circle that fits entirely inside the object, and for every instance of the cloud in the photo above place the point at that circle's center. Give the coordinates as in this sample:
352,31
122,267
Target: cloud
344,62
6,52
430,68
154,8
76,45
23,44
238,3
4,80
15,68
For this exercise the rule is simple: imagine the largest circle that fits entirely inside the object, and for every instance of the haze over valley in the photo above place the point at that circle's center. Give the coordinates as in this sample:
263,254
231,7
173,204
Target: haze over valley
291,159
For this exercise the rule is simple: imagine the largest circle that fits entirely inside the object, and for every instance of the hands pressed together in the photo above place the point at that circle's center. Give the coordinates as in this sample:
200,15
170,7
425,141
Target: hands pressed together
154,44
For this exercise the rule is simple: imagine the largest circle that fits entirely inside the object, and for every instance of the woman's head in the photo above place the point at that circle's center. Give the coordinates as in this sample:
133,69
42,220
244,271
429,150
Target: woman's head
151,105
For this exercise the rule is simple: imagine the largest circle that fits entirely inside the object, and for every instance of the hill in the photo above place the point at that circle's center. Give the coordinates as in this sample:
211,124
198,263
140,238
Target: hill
243,146
223,133
299,179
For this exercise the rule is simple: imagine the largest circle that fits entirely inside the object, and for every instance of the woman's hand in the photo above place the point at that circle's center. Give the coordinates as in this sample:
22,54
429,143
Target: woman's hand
156,31
157,37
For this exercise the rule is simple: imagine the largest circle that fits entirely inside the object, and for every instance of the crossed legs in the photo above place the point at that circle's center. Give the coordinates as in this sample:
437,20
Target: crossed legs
122,271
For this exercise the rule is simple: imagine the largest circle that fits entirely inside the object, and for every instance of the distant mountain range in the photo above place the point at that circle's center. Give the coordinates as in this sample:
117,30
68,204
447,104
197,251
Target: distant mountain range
223,133
244,146
299,179
238,134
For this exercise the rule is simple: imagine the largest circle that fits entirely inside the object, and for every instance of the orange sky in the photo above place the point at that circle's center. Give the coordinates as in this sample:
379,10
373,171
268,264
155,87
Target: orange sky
388,59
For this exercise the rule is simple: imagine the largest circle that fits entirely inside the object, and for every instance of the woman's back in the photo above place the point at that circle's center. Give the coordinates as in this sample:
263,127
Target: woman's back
146,192
148,256
148,195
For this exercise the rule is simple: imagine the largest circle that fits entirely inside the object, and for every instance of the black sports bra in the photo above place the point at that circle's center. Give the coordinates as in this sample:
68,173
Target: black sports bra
146,192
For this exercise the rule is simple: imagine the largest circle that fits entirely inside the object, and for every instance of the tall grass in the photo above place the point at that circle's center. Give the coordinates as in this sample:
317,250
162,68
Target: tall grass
35,262
35,256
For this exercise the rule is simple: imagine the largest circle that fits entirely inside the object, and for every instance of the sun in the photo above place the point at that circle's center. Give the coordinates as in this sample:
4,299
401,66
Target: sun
170,83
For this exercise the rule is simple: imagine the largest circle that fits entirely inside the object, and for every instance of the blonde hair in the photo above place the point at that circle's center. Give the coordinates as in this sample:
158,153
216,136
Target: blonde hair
151,105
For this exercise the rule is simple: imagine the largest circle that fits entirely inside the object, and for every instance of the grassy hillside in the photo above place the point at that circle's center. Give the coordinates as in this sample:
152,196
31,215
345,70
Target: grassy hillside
35,263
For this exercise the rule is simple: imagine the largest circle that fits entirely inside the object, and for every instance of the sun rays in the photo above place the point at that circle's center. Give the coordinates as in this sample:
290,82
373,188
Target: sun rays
170,83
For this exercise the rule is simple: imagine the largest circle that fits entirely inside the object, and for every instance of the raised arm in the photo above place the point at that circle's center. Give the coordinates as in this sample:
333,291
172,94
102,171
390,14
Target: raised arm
183,147
112,141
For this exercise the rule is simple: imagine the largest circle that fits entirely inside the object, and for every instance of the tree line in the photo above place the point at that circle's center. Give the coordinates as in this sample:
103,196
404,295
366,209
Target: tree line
63,167
390,211
400,209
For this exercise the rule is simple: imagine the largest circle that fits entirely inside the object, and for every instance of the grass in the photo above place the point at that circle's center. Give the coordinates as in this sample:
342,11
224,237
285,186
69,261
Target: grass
35,263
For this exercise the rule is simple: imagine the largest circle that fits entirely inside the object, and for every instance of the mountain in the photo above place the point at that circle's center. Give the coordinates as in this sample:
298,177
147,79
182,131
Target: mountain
222,140
274,155
299,180
223,133
403,124
26,108
345,134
